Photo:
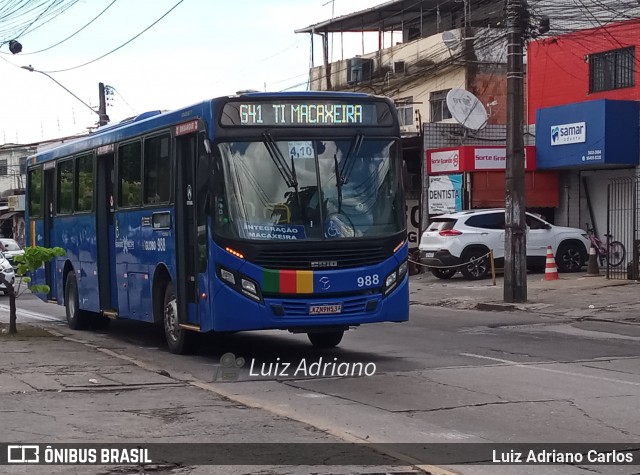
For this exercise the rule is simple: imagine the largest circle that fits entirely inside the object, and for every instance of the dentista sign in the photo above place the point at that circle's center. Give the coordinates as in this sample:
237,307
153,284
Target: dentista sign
564,134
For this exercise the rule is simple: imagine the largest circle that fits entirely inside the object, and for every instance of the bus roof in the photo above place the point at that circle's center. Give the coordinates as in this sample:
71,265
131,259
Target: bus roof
152,120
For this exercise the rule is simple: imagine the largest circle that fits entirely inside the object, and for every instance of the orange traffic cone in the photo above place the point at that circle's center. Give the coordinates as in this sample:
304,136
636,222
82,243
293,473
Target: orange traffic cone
592,266
550,270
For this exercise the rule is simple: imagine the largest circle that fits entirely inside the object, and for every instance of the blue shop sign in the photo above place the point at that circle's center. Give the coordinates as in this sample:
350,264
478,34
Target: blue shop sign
588,134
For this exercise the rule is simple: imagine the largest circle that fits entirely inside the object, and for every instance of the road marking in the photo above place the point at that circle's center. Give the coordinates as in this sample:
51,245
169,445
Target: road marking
34,315
550,370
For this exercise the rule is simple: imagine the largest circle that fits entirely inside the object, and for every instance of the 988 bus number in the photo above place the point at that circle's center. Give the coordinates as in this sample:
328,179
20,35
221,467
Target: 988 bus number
368,280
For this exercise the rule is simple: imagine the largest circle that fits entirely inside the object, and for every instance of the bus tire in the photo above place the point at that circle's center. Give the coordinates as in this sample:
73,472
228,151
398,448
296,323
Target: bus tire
325,339
76,319
179,340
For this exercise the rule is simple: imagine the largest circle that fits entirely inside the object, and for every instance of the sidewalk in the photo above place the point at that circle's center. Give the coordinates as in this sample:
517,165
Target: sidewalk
57,388
572,296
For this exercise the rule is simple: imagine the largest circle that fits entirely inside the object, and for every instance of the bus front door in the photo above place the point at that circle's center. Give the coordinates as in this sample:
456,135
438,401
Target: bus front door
48,241
105,233
185,229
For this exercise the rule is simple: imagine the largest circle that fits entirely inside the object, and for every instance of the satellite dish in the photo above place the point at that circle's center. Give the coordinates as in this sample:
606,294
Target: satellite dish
450,40
466,109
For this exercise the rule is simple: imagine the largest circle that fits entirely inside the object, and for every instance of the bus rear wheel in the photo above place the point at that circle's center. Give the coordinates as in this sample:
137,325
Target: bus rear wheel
326,339
76,319
179,340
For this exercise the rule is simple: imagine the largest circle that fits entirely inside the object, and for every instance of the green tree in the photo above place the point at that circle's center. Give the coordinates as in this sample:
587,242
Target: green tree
33,259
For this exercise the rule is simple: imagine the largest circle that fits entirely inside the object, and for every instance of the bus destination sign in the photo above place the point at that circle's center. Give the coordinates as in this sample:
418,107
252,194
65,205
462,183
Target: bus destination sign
304,114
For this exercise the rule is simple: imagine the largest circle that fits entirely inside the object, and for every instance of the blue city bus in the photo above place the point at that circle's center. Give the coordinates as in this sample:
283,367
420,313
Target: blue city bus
247,212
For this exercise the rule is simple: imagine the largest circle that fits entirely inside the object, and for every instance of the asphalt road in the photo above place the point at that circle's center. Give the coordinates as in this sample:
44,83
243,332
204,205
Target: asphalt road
448,376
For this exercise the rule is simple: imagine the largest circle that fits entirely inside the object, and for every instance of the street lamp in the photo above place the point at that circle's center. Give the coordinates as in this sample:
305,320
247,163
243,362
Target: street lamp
104,118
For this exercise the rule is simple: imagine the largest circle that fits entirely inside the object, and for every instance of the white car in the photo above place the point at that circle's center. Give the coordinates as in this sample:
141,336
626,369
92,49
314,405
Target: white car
9,274
467,236
11,249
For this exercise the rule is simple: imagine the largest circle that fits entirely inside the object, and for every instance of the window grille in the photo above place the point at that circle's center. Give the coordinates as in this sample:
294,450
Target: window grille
612,69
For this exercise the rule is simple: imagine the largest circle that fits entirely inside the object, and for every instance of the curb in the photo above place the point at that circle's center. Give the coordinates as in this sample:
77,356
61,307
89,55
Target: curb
497,307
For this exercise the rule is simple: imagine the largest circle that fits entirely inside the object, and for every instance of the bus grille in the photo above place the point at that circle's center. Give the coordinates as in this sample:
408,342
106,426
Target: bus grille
303,258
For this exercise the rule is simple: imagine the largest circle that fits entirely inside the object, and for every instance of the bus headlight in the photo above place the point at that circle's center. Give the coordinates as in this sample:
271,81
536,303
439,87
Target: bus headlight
240,283
390,280
250,289
402,270
396,276
228,276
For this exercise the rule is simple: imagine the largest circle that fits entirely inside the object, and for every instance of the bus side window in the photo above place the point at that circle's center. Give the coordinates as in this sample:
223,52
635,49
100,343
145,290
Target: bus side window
129,175
157,170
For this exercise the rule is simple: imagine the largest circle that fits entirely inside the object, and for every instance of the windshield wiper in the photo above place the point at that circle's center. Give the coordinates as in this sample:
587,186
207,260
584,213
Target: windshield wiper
294,177
339,181
347,163
288,174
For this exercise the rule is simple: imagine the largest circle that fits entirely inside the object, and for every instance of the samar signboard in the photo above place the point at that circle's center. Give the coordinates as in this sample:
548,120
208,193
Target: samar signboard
588,134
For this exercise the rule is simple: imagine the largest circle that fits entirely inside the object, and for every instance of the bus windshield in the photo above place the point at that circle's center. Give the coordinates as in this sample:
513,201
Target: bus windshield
310,189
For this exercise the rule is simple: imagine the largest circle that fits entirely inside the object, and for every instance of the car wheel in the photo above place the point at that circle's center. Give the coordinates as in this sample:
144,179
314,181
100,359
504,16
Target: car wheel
476,264
444,273
76,319
325,339
570,257
179,340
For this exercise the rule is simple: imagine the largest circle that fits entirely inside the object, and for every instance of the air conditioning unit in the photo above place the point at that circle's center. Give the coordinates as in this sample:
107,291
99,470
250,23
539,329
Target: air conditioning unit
398,67
359,69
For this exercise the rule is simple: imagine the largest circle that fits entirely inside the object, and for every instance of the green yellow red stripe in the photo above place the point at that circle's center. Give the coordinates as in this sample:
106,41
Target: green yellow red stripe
287,281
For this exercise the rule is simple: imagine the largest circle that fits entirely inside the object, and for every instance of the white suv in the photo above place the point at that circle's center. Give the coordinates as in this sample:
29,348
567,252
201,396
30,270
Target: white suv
467,237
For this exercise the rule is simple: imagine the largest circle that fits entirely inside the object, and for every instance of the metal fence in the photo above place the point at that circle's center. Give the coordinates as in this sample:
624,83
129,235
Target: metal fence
621,244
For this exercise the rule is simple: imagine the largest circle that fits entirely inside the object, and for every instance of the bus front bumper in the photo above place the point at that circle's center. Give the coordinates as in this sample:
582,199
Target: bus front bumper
236,312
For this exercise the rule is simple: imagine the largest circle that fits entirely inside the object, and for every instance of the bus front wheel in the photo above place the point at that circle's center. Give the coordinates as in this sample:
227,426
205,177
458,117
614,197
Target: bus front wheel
76,318
179,340
325,339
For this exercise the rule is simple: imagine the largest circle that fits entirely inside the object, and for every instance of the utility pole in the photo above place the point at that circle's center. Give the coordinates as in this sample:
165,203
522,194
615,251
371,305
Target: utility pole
515,265
102,108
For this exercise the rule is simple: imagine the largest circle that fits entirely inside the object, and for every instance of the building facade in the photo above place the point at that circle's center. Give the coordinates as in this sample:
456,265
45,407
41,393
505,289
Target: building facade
583,99
433,47
12,185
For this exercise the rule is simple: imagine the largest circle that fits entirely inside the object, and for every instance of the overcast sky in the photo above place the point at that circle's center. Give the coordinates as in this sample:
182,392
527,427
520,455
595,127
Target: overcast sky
201,49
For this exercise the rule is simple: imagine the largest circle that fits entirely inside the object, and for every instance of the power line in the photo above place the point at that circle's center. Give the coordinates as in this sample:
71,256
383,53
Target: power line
121,46
17,18
75,32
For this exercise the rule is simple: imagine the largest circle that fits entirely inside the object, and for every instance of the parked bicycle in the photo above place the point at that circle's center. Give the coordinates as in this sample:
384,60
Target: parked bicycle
609,250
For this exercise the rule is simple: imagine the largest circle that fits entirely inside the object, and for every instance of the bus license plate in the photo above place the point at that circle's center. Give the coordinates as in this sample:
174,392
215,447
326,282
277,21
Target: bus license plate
429,254
325,309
